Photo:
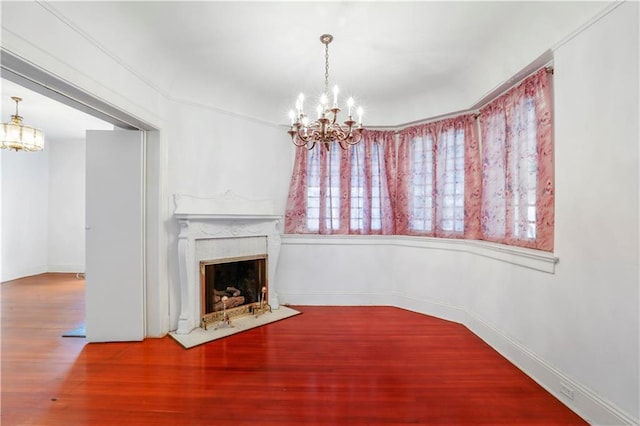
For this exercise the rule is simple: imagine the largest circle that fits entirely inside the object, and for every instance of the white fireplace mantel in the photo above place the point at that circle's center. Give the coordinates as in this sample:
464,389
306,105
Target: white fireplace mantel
203,220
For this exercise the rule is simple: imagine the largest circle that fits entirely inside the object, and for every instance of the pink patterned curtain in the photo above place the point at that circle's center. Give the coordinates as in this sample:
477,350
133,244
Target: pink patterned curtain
344,191
439,179
517,169
296,213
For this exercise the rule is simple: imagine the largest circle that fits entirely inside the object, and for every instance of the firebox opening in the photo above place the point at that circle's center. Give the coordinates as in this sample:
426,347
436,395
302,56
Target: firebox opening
240,280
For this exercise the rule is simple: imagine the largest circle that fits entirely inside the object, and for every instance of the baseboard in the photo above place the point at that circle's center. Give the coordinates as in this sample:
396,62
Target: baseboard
23,273
421,306
66,268
429,307
583,401
333,299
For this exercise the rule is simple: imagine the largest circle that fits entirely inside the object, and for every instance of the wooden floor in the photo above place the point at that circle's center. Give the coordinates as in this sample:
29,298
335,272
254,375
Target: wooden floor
330,365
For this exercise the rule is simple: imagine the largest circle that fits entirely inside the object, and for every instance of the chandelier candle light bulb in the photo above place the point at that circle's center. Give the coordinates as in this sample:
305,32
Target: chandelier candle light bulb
350,105
326,129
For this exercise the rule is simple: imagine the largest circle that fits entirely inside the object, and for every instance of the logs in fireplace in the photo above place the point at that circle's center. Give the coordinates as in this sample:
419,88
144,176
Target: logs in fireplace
232,287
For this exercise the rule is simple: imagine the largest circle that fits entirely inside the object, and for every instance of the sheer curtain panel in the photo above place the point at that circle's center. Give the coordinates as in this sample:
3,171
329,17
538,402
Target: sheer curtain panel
439,179
344,191
517,166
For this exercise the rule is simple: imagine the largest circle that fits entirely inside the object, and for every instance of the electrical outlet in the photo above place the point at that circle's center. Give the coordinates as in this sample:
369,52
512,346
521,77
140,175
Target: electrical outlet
566,390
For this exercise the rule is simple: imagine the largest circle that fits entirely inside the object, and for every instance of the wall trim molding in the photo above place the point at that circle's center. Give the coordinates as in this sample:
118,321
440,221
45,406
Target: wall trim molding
527,258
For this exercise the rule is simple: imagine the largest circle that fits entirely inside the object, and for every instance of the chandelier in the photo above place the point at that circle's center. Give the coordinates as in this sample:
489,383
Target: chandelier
15,135
325,129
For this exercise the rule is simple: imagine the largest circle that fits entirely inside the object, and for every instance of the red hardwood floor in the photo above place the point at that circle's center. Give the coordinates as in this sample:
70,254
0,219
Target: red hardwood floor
330,366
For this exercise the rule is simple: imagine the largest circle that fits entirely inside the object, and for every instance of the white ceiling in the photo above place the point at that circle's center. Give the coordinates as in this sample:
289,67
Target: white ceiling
381,51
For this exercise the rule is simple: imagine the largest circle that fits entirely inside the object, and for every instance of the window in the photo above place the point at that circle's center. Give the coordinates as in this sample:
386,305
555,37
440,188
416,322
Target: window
451,180
323,189
376,187
421,199
313,191
524,162
359,188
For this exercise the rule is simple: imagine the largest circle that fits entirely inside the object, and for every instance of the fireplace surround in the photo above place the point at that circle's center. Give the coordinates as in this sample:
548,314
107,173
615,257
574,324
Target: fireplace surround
216,230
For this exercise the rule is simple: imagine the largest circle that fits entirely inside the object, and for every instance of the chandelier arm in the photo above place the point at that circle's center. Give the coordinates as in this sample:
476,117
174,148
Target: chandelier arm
356,137
298,137
299,141
343,145
339,135
349,136
342,130
317,135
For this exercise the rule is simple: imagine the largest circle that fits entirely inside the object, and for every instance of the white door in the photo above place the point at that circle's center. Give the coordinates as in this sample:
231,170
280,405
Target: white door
114,237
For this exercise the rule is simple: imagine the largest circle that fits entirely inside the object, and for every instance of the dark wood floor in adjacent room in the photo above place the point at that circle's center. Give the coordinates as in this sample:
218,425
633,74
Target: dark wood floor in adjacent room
330,365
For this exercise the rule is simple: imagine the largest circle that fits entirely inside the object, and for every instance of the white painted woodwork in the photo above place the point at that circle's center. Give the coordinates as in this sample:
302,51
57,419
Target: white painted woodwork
114,233
221,227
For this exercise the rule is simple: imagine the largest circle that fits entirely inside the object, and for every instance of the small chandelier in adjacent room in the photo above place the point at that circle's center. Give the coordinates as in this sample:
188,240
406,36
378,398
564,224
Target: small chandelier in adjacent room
15,135
325,129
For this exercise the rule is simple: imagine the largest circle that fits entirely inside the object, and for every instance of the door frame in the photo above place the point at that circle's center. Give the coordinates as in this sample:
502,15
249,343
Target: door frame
155,268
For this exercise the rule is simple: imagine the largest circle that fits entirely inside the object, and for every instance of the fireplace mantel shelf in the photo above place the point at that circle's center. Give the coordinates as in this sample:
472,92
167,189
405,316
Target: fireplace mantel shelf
209,216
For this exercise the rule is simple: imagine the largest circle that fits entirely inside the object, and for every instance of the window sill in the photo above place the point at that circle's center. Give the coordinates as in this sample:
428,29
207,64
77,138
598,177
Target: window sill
527,258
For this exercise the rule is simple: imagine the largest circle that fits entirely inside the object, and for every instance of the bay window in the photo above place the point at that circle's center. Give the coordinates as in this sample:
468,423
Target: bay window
485,176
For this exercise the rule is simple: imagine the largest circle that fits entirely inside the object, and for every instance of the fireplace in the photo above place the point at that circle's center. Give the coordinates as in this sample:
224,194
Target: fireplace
214,232
232,287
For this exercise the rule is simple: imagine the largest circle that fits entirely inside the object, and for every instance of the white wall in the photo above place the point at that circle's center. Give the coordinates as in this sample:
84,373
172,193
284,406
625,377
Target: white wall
25,209
577,326
595,293
43,199
213,152
66,206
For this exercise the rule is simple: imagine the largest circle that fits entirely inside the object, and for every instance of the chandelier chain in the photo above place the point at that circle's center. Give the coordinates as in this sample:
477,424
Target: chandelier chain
326,67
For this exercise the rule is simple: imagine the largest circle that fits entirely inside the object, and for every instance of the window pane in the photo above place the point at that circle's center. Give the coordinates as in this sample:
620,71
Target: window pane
524,173
421,159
